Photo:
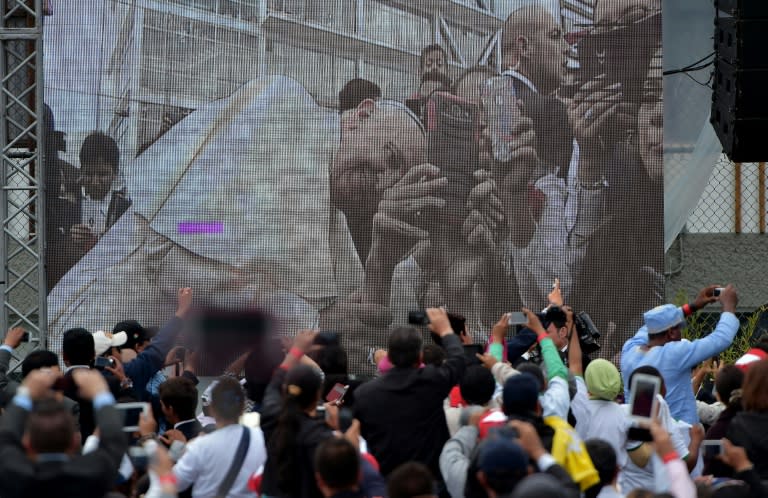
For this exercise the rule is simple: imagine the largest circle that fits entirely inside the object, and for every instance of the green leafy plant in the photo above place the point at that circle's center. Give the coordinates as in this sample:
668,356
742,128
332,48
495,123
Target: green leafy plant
701,324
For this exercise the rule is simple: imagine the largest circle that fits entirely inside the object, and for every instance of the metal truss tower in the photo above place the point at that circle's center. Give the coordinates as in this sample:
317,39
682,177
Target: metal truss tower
22,207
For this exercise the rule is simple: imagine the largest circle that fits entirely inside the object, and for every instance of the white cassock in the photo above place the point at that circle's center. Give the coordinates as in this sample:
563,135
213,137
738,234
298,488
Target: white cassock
234,201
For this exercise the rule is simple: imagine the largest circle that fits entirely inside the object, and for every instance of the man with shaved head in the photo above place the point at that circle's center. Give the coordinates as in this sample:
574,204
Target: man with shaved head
548,243
533,46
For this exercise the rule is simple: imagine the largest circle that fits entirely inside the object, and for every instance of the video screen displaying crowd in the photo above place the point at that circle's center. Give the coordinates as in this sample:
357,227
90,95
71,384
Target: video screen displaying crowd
429,312
474,193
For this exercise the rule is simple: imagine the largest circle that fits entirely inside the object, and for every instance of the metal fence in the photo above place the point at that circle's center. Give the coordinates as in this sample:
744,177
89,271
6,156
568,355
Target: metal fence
734,200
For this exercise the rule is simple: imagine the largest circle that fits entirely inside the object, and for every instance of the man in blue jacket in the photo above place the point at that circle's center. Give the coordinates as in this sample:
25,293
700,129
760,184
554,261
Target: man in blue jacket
659,343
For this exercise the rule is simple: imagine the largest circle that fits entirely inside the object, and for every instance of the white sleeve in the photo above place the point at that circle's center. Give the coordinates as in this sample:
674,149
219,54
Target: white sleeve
187,468
670,425
708,414
580,399
556,399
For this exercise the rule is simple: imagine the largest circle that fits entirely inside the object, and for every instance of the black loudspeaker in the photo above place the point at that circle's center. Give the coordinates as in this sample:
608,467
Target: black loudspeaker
739,107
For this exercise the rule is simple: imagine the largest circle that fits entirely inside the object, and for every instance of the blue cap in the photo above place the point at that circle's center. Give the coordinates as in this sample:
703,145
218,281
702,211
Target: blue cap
521,393
501,454
662,318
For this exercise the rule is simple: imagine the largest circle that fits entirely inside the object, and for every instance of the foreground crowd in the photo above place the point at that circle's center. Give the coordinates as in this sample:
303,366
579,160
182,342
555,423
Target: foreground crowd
541,421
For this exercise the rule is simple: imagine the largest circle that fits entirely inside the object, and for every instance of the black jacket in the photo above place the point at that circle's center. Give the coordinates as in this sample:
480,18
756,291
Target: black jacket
312,431
190,429
81,476
748,429
401,413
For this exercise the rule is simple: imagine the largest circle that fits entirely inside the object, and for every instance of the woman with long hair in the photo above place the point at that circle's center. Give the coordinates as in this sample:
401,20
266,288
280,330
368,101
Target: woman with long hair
293,427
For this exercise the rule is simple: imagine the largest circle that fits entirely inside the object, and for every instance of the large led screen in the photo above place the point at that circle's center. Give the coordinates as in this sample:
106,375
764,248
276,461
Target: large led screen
343,163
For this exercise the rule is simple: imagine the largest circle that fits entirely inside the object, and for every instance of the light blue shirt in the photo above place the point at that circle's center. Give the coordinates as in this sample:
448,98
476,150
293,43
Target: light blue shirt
675,360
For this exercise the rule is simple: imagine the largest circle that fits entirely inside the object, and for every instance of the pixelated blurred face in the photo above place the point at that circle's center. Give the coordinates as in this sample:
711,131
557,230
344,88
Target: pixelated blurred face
97,179
651,120
378,148
434,61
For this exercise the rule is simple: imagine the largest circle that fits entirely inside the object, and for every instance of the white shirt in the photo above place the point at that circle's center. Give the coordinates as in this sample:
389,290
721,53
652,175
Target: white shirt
208,458
653,476
601,419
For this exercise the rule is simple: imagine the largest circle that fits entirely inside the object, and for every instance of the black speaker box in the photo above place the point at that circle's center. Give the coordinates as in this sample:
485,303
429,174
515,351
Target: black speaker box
745,9
742,91
742,42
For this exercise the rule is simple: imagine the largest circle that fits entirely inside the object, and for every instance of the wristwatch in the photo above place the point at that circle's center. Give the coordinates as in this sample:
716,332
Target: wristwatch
126,383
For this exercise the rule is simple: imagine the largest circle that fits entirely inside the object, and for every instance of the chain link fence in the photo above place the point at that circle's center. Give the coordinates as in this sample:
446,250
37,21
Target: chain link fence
733,201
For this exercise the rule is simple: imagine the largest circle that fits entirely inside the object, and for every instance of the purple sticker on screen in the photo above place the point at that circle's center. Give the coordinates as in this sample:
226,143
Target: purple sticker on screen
192,227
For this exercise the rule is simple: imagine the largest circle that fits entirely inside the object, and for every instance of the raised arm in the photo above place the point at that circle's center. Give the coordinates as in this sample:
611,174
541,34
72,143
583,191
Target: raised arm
453,368
691,354
12,341
152,358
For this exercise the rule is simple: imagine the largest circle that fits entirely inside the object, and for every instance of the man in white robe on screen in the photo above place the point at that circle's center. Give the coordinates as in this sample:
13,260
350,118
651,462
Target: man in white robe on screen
259,193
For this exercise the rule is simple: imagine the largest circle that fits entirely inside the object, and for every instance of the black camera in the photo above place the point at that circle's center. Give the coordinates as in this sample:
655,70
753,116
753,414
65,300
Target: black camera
588,333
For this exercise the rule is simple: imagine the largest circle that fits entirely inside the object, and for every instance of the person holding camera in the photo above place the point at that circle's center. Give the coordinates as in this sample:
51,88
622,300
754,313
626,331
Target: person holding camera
659,343
39,446
401,413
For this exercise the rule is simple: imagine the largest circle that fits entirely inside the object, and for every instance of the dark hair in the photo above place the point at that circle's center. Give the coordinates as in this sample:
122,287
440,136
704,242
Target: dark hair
136,333
404,346
332,360
50,427
729,379
41,358
180,394
227,399
646,370
78,347
259,367
98,147
428,50
433,355
355,91
477,385
534,370
603,458
487,70
338,463
754,392
410,479
300,393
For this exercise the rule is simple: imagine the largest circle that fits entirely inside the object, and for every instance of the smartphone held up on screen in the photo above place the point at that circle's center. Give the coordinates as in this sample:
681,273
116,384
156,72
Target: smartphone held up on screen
517,318
717,291
101,363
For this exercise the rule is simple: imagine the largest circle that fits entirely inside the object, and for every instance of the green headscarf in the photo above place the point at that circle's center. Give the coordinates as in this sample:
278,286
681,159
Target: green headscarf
603,380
